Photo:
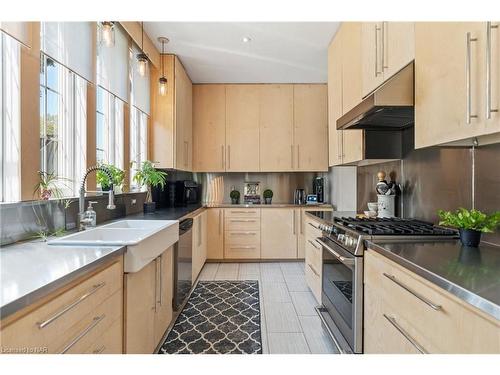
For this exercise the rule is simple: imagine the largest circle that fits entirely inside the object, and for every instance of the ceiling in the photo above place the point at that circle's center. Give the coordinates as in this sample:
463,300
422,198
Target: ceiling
279,52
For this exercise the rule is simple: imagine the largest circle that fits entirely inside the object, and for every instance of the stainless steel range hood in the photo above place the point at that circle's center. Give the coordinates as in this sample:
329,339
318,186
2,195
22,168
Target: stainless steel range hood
390,107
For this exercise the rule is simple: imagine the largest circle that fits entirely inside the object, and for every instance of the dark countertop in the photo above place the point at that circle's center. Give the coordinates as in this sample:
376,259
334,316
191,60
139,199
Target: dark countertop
327,216
471,274
171,213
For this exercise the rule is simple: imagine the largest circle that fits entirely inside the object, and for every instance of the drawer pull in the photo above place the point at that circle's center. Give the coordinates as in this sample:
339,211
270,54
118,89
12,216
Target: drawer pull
243,220
242,247
312,269
314,245
407,336
242,233
418,295
99,350
314,226
244,212
94,289
82,334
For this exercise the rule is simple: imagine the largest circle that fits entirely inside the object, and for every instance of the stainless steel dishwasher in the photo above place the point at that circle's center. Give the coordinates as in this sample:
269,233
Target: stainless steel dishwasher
183,257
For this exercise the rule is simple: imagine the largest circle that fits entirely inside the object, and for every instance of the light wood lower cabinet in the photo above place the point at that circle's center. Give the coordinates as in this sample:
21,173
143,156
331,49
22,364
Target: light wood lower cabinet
313,257
242,233
303,220
215,233
404,313
199,244
279,230
148,304
74,320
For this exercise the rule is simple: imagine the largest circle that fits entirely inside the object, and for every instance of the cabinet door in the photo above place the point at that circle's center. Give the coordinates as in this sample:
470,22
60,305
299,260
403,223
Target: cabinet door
399,46
215,233
165,283
197,260
209,128
276,127
440,82
140,304
242,128
334,100
351,65
352,146
371,53
310,127
183,118
279,233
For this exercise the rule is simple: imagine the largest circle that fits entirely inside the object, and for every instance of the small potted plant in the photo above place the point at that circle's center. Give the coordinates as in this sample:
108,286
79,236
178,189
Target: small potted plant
150,177
470,224
49,185
235,196
117,174
268,196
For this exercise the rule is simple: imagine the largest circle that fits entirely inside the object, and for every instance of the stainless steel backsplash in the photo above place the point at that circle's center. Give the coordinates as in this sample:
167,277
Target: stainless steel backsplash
440,178
282,184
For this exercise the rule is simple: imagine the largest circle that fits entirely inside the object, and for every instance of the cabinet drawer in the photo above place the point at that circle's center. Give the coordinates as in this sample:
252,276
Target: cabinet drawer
313,254
248,251
242,238
312,230
313,280
56,321
439,322
242,212
242,223
110,342
89,329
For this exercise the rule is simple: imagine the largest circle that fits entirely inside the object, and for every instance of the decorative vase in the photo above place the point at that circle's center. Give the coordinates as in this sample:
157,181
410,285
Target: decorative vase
470,237
46,194
149,207
268,200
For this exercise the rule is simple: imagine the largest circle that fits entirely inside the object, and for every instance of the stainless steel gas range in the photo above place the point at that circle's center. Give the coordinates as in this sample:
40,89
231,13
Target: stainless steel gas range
343,245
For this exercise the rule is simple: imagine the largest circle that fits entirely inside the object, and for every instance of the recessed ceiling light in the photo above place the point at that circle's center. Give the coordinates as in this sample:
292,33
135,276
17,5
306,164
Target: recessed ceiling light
246,39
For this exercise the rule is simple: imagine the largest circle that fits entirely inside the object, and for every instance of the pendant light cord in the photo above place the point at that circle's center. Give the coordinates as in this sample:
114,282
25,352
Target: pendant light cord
142,36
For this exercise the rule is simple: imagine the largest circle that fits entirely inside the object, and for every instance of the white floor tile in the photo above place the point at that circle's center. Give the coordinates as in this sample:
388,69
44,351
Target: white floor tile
296,283
227,271
208,272
275,292
304,303
287,343
281,317
317,337
292,268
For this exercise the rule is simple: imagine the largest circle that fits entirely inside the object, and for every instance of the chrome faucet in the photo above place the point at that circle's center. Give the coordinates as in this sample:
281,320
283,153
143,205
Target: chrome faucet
111,195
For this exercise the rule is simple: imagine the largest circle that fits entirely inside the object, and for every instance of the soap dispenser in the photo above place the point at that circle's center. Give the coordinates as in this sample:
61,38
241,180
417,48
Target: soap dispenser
90,216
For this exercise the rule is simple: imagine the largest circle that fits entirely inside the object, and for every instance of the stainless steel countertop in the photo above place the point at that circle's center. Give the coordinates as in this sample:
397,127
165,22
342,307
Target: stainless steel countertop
471,274
32,270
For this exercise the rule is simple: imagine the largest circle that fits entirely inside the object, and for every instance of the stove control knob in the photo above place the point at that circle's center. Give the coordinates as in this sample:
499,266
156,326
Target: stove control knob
340,237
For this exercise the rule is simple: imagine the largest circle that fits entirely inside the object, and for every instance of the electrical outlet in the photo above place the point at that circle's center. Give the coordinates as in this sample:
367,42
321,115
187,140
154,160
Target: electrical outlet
133,202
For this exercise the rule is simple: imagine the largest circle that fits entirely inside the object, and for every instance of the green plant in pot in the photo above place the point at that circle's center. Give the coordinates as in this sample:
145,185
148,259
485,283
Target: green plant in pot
268,196
235,196
49,185
147,175
117,174
470,224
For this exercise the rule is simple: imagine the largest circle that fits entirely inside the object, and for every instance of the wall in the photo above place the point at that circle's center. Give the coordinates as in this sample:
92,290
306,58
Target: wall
283,184
440,178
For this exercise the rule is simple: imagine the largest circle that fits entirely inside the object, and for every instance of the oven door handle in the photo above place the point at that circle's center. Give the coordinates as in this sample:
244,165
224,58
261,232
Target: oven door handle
344,260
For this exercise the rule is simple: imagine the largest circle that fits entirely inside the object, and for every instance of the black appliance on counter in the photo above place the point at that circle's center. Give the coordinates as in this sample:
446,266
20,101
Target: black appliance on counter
343,245
319,189
187,192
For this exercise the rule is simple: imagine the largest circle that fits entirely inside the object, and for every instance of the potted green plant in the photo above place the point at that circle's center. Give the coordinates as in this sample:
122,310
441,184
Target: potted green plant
470,224
235,196
150,177
49,185
117,174
268,196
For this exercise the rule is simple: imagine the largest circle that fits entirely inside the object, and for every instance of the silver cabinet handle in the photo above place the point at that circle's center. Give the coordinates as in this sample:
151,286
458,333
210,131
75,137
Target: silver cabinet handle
293,222
243,212
468,78
384,47
291,150
99,350
347,261
220,222
222,156
186,153
242,220
301,221
314,226
489,109
298,156
156,285
314,245
82,334
313,270
228,156
242,247
377,30
242,233
418,295
407,336
83,297
161,279
199,231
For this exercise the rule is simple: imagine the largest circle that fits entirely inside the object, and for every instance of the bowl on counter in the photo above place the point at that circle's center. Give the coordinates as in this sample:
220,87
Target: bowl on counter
370,213
373,206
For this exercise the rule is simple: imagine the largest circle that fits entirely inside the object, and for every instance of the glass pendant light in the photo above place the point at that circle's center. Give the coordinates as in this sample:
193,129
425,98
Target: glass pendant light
142,58
108,33
162,82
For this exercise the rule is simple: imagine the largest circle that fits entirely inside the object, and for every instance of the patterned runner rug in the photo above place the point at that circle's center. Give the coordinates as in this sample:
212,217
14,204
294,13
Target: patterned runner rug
220,317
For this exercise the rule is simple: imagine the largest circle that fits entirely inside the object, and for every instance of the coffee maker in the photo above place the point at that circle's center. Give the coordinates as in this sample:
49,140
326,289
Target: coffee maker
319,189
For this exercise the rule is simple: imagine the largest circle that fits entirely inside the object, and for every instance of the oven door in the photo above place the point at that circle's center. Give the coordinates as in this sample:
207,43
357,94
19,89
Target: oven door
342,292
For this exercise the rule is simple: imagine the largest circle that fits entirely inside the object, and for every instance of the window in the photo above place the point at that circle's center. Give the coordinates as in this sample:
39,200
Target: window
109,128
63,124
10,119
138,141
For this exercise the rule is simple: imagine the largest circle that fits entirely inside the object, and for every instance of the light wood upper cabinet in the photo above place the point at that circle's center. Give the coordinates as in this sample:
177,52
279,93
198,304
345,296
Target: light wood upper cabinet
334,100
242,128
215,233
310,127
279,229
276,128
209,128
351,65
441,95
387,47
183,118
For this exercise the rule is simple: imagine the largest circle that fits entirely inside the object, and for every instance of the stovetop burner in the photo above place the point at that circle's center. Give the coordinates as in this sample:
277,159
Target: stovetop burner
392,226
